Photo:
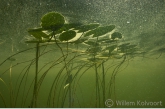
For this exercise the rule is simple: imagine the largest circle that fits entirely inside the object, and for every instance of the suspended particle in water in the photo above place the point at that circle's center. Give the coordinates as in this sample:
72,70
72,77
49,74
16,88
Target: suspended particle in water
2,41
128,21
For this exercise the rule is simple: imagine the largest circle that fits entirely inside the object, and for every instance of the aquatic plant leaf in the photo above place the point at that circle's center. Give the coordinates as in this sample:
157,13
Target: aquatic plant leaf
104,54
102,40
116,35
91,43
65,36
108,41
111,48
94,49
100,31
132,50
131,46
118,56
71,25
37,33
98,60
80,40
124,45
85,28
66,27
52,21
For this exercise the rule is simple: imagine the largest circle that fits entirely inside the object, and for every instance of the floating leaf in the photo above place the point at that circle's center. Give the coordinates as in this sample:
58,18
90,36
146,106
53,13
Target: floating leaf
109,41
85,28
118,56
94,49
116,35
100,31
102,40
37,33
66,27
96,59
92,43
111,48
124,45
65,36
80,40
132,50
131,46
71,25
52,21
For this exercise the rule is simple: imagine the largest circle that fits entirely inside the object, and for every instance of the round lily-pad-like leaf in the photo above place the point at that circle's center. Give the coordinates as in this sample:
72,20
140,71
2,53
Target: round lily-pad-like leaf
88,27
131,46
99,31
116,35
37,33
65,36
92,43
66,27
52,21
124,45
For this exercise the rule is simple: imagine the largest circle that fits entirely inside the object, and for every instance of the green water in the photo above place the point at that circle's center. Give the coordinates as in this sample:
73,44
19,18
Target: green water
132,76
141,80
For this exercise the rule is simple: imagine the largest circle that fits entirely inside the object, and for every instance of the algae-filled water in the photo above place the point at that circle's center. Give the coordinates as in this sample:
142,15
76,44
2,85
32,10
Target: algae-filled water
82,53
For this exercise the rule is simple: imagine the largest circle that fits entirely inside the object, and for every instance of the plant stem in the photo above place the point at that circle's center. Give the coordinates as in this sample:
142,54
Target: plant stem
68,73
103,84
34,102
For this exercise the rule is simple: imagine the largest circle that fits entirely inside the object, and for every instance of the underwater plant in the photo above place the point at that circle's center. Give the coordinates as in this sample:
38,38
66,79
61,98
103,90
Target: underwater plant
51,22
68,51
95,31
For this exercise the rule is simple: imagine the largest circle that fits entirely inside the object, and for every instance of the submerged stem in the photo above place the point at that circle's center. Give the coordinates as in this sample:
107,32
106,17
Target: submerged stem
68,73
3,99
34,101
103,84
